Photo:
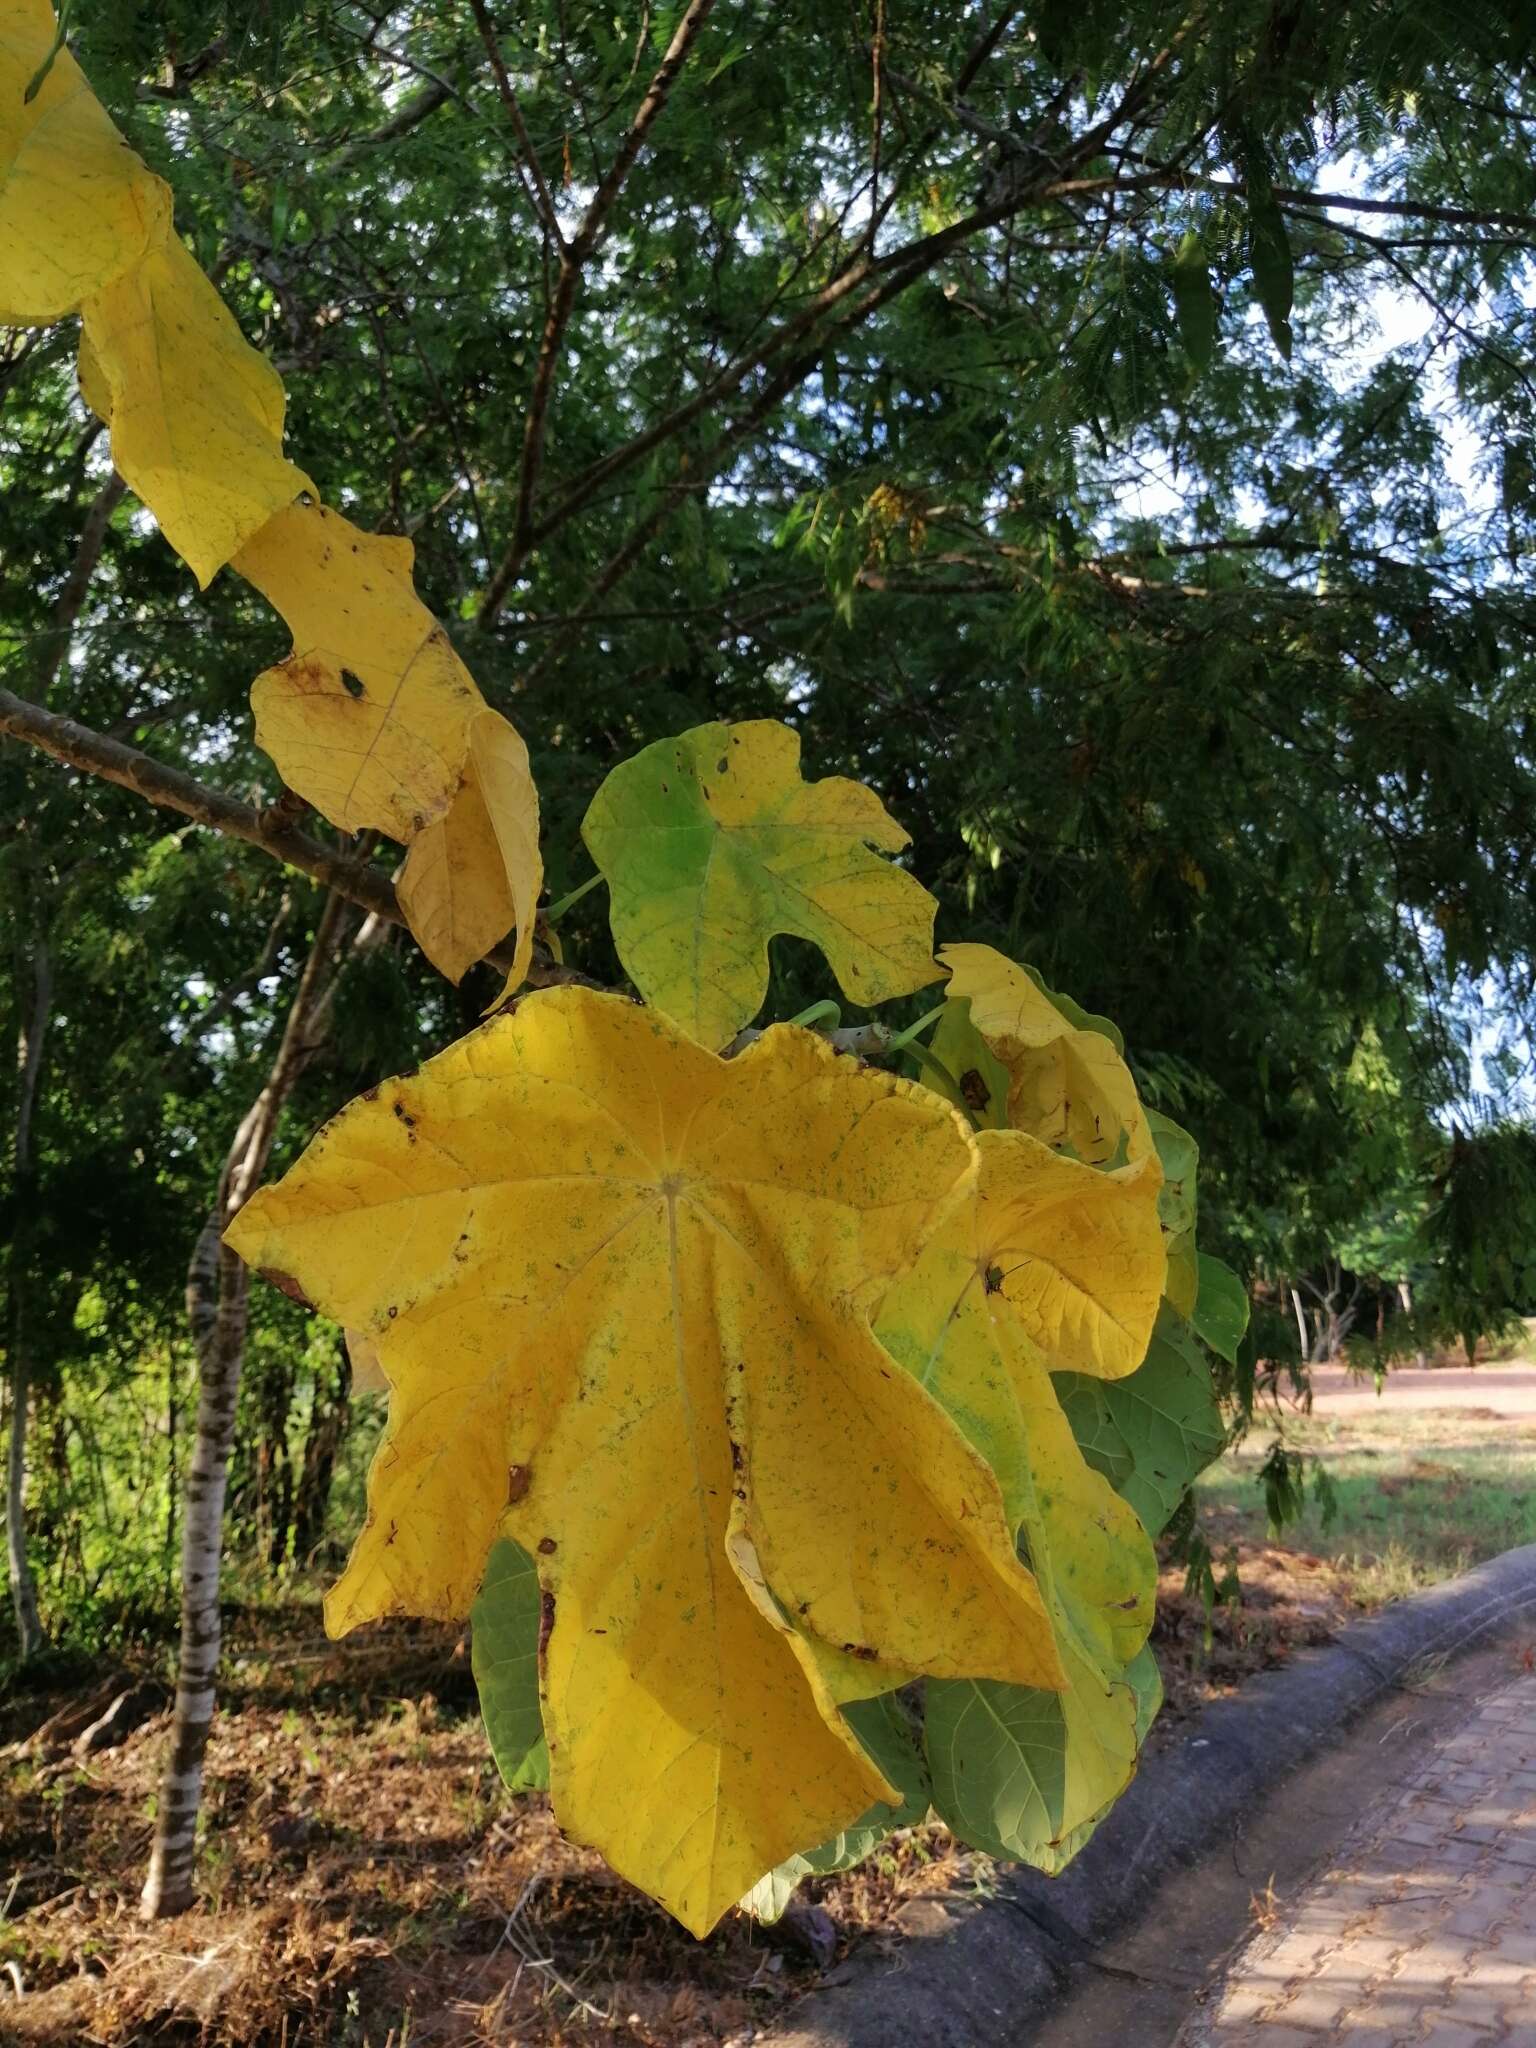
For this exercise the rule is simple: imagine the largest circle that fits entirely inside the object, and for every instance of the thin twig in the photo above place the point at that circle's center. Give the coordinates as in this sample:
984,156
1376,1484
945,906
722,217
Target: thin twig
94,754
574,255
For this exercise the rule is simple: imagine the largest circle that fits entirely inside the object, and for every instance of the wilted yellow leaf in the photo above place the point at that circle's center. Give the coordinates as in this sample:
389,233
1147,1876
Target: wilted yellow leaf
713,842
196,413
369,717
474,873
77,207
1069,1086
620,1287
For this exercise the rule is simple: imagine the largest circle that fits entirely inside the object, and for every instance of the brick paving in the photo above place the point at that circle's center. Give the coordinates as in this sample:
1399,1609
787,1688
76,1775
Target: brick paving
1423,1930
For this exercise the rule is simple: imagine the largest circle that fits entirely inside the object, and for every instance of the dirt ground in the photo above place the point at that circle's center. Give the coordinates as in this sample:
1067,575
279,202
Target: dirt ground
1505,1390
367,1884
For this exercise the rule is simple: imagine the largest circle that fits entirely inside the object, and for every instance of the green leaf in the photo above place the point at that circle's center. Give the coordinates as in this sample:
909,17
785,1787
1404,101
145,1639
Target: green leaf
982,1079
1221,1307
504,1656
1194,302
1152,1433
1177,1208
1008,1761
1274,271
713,841
1075,1014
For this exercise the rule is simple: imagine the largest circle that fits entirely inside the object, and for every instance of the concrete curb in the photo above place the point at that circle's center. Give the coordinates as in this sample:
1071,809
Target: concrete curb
975,1975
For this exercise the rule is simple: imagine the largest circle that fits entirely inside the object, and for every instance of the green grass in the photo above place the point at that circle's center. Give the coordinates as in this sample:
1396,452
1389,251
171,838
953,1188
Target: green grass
1419,1497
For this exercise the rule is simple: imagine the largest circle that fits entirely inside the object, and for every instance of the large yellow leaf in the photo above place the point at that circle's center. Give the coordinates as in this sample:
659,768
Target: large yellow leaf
77,207
1070,1087
620,1288
956,1324
196,413
369,717
474,873
713,842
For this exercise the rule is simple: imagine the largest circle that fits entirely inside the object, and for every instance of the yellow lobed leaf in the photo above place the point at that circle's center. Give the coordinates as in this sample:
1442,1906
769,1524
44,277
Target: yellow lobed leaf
955,1320
621,1288
713,842
474,873
1070,1087
1077,1250
196,413
77,207
369,717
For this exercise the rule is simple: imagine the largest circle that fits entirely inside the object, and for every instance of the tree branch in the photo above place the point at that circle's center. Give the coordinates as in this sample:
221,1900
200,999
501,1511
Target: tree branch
898,268
573,258
94,754
542,200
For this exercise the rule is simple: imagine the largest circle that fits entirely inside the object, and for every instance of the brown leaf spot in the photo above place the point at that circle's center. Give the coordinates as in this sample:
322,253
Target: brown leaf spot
519,1479
973,1089
735,1455
306,676
861,1651
546,1621
547,1546
993,1279
286,1284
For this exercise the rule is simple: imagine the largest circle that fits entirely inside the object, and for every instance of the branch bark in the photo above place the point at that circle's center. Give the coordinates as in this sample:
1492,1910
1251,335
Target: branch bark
218,1301
574,255
37,1013
886,276
94,754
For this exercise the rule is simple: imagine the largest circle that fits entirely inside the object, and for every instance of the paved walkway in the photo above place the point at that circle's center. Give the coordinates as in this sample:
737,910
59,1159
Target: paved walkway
1423,1930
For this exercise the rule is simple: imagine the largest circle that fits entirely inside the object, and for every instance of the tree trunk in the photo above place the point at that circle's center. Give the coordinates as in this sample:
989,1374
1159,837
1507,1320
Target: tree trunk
218,1294
322,1440
36,1013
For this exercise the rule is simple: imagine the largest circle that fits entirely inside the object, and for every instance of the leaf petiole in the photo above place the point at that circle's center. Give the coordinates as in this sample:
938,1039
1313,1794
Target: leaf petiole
902,1042
558,910
818,1014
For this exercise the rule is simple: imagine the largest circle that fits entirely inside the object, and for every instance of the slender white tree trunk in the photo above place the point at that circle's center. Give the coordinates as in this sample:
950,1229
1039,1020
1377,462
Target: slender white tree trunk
36,1014
218,1295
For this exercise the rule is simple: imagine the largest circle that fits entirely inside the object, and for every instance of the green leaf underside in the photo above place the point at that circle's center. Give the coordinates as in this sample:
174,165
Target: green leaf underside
1002,1762
504,1656
1220,1314
1152,1433
982,1079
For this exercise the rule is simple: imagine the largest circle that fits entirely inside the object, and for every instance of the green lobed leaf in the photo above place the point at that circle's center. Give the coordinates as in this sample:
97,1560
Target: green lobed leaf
713,842
1152,1433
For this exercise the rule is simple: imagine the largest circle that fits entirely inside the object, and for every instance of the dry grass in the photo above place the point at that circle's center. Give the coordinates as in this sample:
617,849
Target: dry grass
366,1884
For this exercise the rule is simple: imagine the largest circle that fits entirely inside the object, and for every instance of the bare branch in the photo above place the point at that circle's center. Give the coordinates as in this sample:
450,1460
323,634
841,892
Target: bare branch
544,205
574,256
94,754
